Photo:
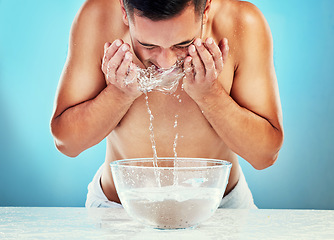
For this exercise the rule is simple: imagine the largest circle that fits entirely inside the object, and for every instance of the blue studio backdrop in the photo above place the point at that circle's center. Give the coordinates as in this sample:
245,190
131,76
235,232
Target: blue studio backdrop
33,48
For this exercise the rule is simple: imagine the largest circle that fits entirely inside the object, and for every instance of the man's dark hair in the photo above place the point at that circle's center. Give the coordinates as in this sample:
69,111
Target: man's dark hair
161,9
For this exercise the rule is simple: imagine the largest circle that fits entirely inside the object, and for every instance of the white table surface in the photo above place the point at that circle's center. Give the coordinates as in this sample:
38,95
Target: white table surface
81,223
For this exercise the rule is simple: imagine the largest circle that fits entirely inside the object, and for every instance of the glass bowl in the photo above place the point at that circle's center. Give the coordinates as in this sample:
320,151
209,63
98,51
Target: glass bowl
170,194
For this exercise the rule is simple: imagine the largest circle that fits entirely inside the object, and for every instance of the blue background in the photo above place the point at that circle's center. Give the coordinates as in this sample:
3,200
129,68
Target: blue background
33,49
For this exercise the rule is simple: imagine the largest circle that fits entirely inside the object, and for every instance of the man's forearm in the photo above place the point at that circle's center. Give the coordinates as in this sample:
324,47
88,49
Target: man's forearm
86,124
249,135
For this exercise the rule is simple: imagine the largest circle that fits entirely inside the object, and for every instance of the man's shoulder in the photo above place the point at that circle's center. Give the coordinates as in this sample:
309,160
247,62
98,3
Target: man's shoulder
100,7
249,15
241,22
99,16
237,15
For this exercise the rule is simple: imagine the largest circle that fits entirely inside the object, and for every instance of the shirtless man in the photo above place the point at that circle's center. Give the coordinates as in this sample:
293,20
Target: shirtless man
230,100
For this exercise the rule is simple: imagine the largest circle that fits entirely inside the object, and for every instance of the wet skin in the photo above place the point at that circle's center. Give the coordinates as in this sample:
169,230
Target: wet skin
230,102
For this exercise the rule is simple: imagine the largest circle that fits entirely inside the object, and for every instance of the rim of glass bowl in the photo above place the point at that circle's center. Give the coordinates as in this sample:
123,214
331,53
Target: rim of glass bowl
220,163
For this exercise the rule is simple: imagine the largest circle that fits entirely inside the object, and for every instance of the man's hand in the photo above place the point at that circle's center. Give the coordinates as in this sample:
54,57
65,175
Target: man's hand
203,66
119,69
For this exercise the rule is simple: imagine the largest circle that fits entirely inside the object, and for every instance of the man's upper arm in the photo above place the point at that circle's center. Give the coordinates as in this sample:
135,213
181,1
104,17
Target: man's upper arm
255,84
82,78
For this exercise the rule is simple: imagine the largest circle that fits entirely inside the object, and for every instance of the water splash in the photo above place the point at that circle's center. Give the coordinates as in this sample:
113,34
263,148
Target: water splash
160,79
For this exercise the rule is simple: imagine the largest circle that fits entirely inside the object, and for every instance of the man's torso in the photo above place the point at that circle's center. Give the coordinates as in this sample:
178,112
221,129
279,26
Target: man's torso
196,137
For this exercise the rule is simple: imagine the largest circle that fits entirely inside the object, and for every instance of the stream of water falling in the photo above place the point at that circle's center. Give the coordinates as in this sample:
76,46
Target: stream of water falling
165,81
176,178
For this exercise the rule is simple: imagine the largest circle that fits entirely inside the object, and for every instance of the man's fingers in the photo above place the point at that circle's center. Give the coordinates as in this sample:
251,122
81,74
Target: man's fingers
117,59
216,54
122,71
109,52
189,73
197,62
106,45
115,62
132,75
205,56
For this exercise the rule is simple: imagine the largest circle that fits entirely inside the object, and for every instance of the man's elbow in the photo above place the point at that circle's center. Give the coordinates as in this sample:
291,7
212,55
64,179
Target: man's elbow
270,157
265,162
64,149
62,143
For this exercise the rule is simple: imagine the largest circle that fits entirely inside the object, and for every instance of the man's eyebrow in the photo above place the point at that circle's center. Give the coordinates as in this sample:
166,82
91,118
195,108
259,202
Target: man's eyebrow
181,43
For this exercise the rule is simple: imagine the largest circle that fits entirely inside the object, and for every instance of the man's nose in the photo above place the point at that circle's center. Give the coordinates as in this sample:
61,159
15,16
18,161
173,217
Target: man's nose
166,59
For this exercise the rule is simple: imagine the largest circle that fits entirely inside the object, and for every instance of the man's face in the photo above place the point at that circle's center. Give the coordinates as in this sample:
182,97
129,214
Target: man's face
163,42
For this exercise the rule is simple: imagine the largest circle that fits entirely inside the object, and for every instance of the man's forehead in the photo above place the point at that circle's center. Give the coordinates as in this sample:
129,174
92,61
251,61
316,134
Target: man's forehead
174,31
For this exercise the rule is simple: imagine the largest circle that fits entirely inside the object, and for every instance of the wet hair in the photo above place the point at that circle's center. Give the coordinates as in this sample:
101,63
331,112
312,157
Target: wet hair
157,10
